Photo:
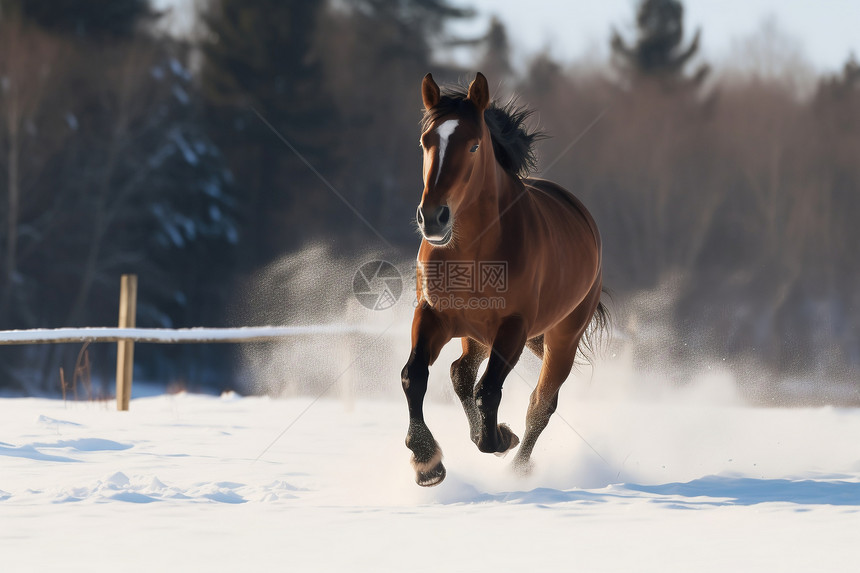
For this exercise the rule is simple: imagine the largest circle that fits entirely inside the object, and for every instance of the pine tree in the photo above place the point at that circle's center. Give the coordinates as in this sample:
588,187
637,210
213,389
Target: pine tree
260,57
496,59
374,56
108,170
657,53
426,19
844,86
92,19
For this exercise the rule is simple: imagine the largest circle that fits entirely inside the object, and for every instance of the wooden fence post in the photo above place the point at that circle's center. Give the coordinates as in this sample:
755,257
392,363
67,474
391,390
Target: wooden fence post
125,348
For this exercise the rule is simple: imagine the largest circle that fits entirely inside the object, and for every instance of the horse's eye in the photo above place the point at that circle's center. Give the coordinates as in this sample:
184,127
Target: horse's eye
474,148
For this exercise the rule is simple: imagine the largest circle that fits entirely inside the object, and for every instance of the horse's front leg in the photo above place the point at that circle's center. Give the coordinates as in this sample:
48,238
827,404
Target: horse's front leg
429,335
507,347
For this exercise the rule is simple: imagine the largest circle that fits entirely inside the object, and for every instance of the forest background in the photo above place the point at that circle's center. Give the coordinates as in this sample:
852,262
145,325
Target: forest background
727,196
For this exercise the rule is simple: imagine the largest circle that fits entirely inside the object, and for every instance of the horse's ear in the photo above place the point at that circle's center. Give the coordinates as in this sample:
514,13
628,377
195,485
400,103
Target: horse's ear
479,92
429,91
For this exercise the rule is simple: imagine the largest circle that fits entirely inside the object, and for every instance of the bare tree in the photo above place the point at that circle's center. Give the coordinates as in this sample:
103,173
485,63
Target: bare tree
27,60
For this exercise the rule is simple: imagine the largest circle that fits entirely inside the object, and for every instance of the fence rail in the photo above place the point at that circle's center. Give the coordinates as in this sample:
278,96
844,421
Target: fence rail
175,335
126,335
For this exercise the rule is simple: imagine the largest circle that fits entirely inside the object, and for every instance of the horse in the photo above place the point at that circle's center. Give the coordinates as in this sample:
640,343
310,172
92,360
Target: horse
505,262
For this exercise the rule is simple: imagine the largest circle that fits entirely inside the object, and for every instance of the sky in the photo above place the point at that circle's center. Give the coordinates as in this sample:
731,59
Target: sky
825,31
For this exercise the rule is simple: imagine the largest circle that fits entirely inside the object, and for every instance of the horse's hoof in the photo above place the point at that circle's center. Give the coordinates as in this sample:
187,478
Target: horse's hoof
505,441
431,472
509,438
432,477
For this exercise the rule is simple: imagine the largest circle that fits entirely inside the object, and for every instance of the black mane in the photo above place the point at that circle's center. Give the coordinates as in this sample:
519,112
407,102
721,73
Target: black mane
513,143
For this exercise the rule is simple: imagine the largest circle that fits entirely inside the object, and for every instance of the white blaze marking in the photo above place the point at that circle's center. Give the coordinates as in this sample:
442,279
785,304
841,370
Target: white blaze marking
445,130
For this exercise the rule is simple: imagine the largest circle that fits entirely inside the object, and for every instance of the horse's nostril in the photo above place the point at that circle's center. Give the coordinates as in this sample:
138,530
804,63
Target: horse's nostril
444,215
420,216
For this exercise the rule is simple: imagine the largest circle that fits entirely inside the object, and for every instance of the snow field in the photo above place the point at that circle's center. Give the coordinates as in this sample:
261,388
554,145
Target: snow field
691,481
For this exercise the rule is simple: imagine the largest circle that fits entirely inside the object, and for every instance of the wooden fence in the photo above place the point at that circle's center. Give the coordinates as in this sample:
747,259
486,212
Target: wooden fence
126,335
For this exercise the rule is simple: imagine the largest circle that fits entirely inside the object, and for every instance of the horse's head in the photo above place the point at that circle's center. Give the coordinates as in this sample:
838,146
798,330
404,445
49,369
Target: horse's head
453,137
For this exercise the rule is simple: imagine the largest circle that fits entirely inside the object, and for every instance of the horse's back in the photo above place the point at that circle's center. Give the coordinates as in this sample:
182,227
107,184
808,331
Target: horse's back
549,196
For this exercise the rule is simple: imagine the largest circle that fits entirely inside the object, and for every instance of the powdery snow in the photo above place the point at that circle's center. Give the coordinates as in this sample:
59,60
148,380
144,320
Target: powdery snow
197,334
173,485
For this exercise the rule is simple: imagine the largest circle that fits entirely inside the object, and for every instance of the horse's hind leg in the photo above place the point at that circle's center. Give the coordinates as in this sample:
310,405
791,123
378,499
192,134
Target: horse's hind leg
536,345
560,344
428,338
557,364
464,372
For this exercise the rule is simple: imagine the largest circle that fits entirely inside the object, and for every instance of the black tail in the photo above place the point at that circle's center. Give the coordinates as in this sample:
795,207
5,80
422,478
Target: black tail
597,335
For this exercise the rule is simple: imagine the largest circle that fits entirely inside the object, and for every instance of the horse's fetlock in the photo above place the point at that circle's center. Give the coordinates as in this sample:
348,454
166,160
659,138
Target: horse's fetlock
485,445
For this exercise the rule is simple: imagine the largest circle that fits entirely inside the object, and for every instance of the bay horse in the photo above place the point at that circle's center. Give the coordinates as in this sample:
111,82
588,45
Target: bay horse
505,262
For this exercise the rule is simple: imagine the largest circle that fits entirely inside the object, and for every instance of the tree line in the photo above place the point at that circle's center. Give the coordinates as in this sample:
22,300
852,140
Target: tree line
730,199
195,161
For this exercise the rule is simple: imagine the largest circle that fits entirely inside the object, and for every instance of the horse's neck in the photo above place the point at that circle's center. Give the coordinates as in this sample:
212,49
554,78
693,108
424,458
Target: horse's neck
496,191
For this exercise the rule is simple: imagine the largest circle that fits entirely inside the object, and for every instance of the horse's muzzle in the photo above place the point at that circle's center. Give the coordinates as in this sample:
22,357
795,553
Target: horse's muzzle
437,225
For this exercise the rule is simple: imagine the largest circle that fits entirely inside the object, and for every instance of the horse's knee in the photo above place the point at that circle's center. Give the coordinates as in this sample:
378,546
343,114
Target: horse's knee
404,378
537,402
414,375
